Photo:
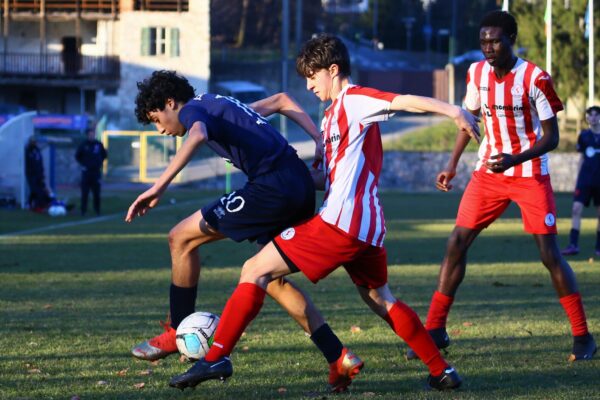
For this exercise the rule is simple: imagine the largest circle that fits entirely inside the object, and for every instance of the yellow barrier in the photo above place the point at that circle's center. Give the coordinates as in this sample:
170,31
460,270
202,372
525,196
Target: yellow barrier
143,140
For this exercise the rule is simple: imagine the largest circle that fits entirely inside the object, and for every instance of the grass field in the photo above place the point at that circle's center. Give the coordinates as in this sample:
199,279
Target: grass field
74,299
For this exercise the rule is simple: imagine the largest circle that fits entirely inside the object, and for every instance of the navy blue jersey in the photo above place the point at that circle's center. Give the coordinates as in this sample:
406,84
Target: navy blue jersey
588,143
237,133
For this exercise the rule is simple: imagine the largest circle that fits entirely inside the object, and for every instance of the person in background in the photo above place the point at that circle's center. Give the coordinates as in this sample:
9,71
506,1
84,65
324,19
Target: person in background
588,180
39,194
90,155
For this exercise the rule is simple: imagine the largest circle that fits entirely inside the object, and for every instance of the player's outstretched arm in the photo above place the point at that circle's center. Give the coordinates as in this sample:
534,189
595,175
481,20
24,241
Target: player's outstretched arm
284,104
464,120
149,199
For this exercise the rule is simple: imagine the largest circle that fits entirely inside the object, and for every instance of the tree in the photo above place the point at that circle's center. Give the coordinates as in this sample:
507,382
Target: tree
569,45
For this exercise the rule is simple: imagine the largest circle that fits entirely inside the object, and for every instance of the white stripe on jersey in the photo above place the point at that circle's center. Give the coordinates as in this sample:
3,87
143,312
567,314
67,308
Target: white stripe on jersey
353,159
516,118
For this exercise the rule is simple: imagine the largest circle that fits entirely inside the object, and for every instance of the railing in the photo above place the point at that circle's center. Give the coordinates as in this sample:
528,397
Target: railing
58,66
162,5
96,6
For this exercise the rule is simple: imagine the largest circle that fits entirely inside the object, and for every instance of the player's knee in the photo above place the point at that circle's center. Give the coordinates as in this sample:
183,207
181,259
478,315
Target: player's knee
249,271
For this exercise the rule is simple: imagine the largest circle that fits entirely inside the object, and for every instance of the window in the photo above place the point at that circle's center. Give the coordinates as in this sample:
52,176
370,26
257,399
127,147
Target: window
160,41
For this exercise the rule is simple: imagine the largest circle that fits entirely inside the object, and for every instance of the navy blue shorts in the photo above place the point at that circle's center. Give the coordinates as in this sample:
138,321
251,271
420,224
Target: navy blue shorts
585,193
266,205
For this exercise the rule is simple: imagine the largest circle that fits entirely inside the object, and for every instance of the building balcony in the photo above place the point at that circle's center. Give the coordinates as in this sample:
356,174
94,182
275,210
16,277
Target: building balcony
91,6
58,68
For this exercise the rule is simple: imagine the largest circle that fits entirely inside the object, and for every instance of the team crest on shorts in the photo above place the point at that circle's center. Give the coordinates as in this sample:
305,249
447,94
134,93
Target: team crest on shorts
550,220
288,234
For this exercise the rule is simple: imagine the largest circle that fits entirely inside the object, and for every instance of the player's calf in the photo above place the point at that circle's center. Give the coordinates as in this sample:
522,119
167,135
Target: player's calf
440,338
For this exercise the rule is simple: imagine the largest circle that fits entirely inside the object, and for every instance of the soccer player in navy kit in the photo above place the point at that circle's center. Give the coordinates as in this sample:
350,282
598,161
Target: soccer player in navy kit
279,192
588,179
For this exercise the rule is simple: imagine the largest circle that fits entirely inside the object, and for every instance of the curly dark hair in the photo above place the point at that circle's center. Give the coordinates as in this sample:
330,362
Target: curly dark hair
592,109
501,19
322,52
153,93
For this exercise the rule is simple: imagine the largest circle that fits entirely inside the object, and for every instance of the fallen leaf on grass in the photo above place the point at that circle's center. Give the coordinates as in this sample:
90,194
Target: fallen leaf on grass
34,371
101,383
155,362
245,348
281,390
139,385
123,372
47,306
146,372
467,323
355,329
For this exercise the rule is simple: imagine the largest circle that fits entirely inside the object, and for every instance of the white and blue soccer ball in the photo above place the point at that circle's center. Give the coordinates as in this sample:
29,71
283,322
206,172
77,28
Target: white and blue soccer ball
57,210
195,334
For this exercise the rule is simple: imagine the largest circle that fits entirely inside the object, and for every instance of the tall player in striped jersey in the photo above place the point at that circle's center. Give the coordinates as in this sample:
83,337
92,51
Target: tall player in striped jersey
349,228
519,107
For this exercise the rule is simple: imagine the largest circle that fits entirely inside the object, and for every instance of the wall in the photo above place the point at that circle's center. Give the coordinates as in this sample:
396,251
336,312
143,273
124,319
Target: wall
417,171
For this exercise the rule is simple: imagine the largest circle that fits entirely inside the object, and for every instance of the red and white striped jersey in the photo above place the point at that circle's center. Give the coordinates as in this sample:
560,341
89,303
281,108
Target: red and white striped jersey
512,108
352,162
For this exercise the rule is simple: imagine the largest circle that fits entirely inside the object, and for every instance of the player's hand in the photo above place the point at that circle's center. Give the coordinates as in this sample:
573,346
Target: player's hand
469,124
145,201
319,153
500,162
443,179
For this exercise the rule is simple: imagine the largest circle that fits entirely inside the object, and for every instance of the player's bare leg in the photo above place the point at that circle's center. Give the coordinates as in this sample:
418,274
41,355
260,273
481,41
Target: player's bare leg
451,275
184,242
565,285
573,246
297,303
407,325
597,247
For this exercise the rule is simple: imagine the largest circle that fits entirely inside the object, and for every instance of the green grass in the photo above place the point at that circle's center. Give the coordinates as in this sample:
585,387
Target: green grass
438,137
74,300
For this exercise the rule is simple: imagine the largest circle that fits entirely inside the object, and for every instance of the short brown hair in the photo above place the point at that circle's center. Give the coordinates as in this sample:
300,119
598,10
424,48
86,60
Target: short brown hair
320,53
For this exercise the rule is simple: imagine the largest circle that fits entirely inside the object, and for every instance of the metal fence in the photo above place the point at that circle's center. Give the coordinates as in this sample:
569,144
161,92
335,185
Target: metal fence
58,66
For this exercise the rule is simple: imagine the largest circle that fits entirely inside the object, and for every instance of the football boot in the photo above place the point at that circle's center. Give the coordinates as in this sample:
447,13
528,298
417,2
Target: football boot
202,371
158,347
447,380
440,338
570,250
584,348
343,371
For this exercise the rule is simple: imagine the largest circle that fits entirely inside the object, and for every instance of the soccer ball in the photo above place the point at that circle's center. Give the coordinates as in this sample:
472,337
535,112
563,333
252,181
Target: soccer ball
195,334
57,210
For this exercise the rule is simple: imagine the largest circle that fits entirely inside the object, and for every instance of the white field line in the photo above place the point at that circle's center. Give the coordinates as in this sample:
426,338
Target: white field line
93,220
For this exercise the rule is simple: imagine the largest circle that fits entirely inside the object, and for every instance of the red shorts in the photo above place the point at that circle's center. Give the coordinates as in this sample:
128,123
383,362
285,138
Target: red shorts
317,249
487,196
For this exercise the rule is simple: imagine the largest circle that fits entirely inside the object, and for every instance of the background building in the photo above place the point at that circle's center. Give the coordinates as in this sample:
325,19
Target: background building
85,56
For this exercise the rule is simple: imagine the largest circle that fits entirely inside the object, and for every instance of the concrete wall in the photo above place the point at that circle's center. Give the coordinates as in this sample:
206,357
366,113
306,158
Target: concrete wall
417,171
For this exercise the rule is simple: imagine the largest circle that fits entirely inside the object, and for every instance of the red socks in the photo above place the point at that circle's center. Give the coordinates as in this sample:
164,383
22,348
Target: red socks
575,312
438,311
406,323
241,308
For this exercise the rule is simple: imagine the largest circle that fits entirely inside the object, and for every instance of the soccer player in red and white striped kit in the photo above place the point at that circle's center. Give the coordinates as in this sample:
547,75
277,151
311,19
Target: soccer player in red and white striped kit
519,107
349,228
